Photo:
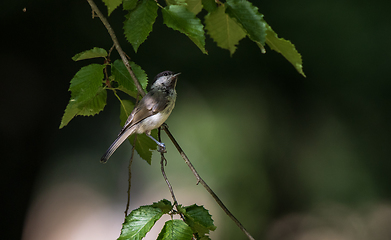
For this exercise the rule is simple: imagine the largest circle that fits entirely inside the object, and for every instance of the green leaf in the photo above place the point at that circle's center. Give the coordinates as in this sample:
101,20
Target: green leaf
138,223
175,230
92,53
129,4
285,47
125,81
209,5
177,2
249,18
205,238
194,6
87,95
139,23
112,5
179,18
144,145
164,205
223,29
199,219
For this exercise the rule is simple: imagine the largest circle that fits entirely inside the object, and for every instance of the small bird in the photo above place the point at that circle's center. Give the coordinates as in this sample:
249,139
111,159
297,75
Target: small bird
151,112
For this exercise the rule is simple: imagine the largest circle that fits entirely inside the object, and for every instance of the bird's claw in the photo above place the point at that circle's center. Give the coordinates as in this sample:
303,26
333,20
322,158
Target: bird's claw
162,148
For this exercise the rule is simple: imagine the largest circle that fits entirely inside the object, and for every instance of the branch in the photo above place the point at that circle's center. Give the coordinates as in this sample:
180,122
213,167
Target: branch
163,162
203,183
130,176
117,46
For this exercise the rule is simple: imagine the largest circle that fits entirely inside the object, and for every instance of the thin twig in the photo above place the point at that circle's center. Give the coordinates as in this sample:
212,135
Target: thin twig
130,176
203,183
163,162
117,46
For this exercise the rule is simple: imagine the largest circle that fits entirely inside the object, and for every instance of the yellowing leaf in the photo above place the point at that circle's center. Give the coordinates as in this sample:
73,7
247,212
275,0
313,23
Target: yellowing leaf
285,47
112,5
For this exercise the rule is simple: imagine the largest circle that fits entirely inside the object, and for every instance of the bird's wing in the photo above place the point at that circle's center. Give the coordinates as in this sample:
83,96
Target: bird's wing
151,104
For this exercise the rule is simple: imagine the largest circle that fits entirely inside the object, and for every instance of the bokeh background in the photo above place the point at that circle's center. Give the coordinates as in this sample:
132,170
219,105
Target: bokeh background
291,157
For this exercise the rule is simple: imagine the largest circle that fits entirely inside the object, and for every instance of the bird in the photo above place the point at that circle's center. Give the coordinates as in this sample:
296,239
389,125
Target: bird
151,112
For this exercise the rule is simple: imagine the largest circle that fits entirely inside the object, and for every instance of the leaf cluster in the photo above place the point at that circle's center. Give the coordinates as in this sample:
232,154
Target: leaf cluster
197,222
89,89
226,23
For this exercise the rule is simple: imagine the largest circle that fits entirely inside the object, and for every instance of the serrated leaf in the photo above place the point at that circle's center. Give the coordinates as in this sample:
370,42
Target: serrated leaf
138,223
249,18
112,5
179,18
164,205
175,230
139,23
199,219
125,81
285,47
144,145
87,95
129,4
223,29
92,53
209,5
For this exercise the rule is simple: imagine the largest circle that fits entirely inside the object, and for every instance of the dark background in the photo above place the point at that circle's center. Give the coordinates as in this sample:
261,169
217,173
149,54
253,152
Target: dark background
292,157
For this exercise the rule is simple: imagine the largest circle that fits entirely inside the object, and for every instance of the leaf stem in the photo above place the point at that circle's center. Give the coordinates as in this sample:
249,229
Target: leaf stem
117,46
203,183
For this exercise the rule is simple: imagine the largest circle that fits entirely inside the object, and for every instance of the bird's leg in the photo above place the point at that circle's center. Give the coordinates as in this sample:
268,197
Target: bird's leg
162,146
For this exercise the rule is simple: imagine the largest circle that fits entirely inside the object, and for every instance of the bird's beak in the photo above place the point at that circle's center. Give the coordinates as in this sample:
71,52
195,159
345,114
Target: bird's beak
175,75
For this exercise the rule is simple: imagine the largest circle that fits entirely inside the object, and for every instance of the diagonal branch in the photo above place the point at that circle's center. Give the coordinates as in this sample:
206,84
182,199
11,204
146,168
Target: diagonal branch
203,183
117,46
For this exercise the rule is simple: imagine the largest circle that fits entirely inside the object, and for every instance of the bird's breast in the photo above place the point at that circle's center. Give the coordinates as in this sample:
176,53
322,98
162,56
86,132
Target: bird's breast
156,120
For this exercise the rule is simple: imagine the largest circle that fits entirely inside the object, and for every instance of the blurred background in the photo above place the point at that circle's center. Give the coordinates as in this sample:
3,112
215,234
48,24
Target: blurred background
291,157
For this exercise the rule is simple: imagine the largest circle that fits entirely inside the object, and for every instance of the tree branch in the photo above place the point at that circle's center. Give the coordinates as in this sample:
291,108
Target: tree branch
203,183
117,46
130,176
163,162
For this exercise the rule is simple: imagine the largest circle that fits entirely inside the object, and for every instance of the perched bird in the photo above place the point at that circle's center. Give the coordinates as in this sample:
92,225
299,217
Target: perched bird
151,112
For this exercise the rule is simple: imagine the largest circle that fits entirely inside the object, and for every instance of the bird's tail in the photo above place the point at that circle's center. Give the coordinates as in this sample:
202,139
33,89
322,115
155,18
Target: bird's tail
117,142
